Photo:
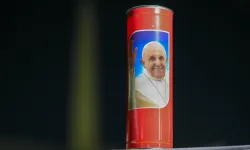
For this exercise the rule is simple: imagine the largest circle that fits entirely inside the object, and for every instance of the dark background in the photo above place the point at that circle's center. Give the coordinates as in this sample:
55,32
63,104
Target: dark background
211,70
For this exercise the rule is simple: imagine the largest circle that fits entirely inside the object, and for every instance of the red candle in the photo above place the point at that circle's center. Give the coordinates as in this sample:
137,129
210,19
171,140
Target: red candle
149,77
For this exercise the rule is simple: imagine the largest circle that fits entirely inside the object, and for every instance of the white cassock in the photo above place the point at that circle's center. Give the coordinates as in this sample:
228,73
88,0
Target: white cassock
157,91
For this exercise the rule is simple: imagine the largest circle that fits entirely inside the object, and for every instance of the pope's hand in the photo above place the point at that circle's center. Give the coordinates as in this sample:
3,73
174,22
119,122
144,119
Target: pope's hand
132,54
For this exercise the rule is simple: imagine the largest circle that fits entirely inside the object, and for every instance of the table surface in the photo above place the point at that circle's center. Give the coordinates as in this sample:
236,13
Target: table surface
239,147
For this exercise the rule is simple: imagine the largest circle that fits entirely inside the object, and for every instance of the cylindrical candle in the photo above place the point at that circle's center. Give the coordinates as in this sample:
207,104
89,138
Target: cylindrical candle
149,77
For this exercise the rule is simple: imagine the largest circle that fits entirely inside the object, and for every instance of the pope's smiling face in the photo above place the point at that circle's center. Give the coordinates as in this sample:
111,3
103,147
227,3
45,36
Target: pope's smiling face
154,60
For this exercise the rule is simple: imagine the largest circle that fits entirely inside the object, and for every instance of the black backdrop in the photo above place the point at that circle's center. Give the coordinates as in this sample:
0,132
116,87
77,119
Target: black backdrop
211,70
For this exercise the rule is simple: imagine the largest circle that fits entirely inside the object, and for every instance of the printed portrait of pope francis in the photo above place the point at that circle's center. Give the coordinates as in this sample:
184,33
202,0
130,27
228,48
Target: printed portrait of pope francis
152,85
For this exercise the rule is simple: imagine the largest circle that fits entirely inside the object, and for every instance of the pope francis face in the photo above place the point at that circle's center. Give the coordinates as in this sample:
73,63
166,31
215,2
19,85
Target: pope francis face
154,59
